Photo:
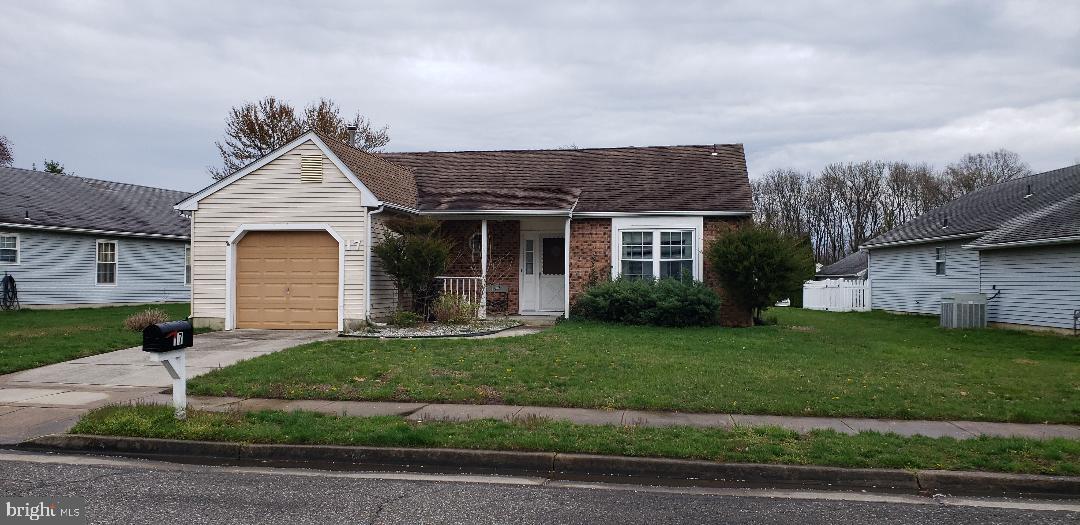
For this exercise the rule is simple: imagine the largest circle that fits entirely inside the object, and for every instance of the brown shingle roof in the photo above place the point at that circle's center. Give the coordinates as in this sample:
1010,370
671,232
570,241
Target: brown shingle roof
388,181
630,179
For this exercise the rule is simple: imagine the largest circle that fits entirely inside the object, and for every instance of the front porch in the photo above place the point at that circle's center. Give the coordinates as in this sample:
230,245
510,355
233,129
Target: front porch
510,265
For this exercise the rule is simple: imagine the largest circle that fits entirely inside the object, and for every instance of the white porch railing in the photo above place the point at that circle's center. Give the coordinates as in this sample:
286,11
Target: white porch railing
471,288
837,295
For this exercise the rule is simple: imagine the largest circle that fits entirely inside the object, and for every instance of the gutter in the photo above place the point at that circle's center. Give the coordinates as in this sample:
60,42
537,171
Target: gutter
924,240
116,233
1029,242
367,262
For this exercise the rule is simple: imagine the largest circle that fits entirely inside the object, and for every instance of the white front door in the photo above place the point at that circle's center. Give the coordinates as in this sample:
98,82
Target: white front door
543,272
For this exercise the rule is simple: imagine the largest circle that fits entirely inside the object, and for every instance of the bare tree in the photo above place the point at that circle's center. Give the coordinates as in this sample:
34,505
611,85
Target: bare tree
977,170
255,129
7,158
845,204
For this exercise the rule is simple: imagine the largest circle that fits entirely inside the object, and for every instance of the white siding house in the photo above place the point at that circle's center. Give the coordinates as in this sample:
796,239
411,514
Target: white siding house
72,241
1017,242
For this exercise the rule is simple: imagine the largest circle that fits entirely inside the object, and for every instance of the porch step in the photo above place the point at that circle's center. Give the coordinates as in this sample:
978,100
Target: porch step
535,320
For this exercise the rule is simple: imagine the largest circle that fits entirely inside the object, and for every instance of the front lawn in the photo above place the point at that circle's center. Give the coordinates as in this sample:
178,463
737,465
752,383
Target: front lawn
812,364
741,445
33,338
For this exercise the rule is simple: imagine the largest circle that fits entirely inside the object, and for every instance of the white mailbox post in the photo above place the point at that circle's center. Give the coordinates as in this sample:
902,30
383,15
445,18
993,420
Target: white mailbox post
174,362
167,344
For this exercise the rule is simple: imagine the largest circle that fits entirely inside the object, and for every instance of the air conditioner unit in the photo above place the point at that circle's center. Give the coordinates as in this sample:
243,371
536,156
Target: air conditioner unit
963,310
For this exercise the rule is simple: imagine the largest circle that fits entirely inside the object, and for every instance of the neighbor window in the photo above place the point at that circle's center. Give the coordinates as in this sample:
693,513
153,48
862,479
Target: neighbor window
187,265
9,248
657,253
106,262
939,261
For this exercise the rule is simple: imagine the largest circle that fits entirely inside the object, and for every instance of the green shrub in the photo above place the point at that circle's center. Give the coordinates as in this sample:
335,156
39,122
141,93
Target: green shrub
667,302
454,309
404,318
758,266
413,254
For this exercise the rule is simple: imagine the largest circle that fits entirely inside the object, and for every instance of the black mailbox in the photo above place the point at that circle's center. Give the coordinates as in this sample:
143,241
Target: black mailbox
166,337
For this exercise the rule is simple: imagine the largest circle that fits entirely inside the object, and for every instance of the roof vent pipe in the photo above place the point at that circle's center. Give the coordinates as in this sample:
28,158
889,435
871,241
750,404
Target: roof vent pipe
351,130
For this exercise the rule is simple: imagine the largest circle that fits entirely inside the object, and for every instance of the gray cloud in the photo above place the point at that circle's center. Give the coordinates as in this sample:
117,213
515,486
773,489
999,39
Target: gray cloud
137,91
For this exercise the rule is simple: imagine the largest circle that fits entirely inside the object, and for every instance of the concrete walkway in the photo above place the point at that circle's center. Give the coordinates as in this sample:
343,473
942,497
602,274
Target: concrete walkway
451,412
50,399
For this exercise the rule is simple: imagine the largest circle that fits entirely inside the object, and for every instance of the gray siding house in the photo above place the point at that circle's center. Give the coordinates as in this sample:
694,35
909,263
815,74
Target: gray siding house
71,241
1018,242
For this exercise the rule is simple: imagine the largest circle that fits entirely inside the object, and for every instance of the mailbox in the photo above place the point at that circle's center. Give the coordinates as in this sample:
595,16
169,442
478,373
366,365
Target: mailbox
166,337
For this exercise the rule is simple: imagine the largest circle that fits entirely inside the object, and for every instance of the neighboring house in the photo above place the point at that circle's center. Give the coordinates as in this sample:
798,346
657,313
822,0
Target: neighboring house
71,241
853,266
286,241
1018,242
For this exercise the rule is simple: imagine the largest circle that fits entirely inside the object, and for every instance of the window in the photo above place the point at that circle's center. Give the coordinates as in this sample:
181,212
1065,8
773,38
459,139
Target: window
106,262
637,255
187,264
676,254
939,261
9,248
530,255
657,253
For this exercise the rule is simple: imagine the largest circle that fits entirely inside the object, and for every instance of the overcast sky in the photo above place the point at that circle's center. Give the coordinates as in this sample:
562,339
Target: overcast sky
136,92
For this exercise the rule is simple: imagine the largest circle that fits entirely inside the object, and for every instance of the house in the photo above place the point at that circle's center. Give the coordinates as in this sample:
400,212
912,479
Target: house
1018,242
71,241
286,242
854,266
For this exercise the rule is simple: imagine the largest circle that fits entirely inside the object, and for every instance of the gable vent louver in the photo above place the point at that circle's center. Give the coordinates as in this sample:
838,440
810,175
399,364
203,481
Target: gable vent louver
311,168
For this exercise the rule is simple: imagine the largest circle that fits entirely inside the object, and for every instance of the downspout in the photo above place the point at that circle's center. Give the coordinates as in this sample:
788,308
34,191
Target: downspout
368,262
566,281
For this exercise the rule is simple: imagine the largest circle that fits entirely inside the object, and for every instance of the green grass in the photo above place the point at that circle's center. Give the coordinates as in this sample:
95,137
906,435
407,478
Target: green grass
811,363
747,445
33,338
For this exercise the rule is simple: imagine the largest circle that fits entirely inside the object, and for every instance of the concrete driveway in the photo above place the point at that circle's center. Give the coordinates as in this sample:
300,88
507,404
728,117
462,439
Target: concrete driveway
50,399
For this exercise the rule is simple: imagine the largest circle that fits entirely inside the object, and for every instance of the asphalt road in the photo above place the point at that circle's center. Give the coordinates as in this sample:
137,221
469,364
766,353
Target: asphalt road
121,490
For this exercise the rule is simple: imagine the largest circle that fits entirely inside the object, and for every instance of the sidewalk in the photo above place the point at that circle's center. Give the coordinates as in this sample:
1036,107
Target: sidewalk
585,416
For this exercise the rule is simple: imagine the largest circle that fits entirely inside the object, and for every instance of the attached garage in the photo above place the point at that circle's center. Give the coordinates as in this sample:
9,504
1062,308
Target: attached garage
287,280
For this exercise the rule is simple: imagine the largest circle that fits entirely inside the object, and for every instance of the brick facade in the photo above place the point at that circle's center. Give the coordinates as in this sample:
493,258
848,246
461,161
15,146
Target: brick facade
504,240
590,253
731,314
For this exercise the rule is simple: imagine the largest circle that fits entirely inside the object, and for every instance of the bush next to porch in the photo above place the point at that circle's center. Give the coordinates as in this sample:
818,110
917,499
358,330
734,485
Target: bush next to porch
413,255
667,302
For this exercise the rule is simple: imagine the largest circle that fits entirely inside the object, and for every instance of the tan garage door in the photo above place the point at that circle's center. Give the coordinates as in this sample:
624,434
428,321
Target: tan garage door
287,279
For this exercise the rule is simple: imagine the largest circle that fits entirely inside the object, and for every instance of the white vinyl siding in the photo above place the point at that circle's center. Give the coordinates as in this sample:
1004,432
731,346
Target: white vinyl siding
904,278
61,269
1037,286
273,194
187,265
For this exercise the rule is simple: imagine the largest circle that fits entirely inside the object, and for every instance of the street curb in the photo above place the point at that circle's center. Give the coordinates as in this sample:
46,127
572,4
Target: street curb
555,465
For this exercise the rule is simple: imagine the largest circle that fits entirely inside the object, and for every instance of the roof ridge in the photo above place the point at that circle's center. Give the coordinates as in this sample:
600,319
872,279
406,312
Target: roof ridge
1025,219
601,148
91,179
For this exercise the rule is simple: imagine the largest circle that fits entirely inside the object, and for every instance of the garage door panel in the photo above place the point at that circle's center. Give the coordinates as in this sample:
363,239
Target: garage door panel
287,280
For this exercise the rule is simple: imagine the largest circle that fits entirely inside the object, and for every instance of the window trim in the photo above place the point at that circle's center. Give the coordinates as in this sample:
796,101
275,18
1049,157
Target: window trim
18,248
188,273
656,224
657,257
940,258
115,263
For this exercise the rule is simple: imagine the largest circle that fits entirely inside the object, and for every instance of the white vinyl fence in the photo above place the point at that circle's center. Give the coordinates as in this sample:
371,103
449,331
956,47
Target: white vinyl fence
837,295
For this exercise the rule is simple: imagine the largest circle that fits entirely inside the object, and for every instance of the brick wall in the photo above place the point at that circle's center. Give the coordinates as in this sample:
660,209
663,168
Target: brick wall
731,314
504,239
590,253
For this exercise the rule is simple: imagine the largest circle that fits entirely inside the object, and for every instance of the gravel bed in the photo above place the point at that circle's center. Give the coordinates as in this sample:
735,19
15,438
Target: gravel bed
437,330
